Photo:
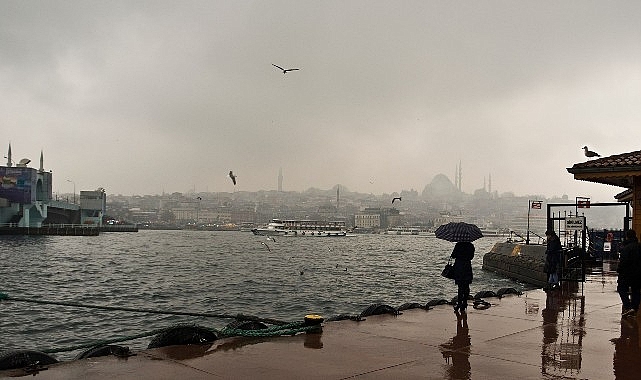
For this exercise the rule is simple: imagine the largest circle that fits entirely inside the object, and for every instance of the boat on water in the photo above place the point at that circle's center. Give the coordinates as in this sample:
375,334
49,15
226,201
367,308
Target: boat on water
403,230
290,227
494,232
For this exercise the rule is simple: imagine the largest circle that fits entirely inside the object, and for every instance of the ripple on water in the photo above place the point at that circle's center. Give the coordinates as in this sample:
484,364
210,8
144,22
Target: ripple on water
210,272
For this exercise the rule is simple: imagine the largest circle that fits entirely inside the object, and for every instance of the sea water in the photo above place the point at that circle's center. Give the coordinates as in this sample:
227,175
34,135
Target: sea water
212,272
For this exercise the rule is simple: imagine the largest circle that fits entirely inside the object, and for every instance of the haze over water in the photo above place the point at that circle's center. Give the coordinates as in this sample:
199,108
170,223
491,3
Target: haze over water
211,272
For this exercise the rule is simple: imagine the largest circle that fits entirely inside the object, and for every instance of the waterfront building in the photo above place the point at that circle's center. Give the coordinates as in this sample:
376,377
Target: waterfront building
26,198
367,220
93,206
24,193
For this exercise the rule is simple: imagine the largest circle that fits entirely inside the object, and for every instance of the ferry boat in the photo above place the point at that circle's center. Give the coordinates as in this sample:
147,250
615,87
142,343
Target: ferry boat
289,227
403,230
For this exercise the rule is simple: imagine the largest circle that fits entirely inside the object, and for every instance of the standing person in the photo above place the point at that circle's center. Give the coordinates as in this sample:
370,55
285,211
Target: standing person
552,259
628,281
462,254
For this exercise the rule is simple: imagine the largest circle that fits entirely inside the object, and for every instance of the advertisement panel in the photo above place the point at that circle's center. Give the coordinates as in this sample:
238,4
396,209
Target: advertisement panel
18,185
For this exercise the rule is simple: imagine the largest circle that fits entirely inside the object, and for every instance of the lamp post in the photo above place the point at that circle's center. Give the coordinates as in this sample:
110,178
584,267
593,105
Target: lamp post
74,190
532,204
198,210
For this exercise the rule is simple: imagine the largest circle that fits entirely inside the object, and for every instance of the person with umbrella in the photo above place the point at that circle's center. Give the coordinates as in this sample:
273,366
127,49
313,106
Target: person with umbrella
462,254
552,259
463,234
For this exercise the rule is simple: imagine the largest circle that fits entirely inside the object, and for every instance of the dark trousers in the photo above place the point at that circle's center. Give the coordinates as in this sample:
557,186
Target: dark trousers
463,295
630,295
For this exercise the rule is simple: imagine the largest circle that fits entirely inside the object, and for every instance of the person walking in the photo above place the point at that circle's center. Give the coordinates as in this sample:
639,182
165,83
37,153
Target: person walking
462,254
552,259
629,270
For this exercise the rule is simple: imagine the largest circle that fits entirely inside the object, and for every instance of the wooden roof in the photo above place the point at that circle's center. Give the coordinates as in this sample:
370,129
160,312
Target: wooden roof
617,170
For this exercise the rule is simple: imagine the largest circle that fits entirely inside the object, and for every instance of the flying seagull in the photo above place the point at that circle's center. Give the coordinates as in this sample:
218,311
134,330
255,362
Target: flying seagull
399,198
284,70
232,176
589,153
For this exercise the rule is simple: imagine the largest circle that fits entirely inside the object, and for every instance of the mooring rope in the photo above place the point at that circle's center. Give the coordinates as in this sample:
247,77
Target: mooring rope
288,329
279,328
102,342
4,296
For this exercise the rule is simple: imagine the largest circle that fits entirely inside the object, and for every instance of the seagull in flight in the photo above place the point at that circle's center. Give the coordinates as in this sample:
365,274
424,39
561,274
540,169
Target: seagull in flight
395,198
589,153
284,70
232,176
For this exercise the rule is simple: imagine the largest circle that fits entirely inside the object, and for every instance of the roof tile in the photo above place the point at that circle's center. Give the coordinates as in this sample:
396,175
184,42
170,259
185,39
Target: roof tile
618,160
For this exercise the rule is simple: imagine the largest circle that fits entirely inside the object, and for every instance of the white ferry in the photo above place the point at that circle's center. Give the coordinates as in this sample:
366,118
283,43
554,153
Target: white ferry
288,227
403,230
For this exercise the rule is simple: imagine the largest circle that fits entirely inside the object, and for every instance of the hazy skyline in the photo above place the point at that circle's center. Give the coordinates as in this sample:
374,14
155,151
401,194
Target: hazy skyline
149,96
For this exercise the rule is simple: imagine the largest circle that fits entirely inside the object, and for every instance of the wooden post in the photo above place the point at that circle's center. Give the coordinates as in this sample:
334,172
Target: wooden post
636,205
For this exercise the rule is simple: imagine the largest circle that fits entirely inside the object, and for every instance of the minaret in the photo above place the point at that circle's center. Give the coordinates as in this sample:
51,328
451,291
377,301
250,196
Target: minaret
280,179
9,156
489,185
42,168
456,177
460,175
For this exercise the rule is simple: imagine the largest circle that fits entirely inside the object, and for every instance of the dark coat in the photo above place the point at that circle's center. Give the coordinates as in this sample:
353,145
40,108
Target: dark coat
630,263
462,254
552,255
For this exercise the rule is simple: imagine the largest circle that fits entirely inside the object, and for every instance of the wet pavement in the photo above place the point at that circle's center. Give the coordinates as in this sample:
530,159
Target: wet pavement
576,332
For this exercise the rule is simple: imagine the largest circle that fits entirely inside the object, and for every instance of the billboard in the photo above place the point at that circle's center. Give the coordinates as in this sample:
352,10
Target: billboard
18,184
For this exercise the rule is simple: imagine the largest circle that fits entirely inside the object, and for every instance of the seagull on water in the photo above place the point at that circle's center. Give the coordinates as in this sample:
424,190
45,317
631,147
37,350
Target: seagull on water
232,176
395,198
589,153
284,70
266,246
271,238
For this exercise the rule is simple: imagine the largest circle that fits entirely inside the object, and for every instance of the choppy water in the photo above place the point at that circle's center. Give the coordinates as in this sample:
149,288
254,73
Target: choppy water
210,272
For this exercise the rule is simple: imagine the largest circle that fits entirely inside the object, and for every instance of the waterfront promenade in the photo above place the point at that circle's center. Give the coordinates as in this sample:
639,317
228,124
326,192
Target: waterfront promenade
573,333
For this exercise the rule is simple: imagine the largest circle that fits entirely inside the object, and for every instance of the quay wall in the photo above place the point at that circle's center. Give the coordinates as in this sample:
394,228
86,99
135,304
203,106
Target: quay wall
51,229
517,261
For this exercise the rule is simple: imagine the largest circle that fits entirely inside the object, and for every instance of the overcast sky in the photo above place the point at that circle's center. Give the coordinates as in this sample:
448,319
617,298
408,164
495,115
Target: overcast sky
143,97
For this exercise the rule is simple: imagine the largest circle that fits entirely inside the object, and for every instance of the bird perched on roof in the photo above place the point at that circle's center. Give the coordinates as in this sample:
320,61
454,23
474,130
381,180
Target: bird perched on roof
395,198
589,153
232,176
284,70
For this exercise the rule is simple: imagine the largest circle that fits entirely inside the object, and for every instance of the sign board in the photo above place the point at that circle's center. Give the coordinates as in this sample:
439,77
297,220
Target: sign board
583,204
575,223
607,246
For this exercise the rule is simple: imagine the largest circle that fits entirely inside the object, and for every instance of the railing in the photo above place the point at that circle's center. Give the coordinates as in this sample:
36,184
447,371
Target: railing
573,264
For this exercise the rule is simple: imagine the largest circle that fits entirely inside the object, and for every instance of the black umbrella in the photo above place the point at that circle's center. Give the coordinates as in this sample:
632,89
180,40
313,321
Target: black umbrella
458,231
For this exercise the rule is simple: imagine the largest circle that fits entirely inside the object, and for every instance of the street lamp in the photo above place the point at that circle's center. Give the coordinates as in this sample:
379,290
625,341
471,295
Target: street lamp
74,190
532,204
